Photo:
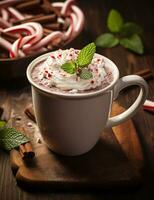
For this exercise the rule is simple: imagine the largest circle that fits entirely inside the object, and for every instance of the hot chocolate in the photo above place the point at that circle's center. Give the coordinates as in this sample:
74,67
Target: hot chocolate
50,75
72,94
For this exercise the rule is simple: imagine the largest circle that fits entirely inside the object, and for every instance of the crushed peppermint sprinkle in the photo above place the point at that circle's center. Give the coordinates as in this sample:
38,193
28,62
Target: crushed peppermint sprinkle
51,75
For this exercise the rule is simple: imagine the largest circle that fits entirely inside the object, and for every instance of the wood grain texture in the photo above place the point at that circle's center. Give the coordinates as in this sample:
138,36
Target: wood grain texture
142,13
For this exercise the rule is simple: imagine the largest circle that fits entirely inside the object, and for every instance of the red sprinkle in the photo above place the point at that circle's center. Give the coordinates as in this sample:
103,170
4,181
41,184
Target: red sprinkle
92,82
59,55
98,59
52,56
46,71
49,75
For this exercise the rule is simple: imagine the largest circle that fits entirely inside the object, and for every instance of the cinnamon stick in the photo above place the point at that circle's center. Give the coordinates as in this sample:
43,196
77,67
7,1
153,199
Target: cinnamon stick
30,113
48,8
26,149
7,3
29,19
8,36
27,5
46,31
42,19
54,26
145,73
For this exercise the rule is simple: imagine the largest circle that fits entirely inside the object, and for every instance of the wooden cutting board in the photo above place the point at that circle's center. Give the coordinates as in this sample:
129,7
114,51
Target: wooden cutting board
115,161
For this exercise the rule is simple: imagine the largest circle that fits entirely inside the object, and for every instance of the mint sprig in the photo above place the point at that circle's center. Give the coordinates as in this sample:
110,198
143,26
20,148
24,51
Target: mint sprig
85,74
86,55
114,21
133,43
127,34
10,138
69,67
80,64
107,40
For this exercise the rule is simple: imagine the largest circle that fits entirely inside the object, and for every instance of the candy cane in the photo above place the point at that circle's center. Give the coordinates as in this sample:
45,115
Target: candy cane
68,33
20,29
15,52
80,18
7,45
148,105
66,7
19,43
5,14
4,23
46,40
57,4
38,31
16,13
73,24
28,40
73,30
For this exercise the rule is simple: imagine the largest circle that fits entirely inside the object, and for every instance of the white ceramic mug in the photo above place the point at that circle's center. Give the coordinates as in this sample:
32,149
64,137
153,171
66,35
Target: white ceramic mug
71,124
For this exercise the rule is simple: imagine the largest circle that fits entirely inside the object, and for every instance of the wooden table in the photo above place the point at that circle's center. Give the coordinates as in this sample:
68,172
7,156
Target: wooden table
128,63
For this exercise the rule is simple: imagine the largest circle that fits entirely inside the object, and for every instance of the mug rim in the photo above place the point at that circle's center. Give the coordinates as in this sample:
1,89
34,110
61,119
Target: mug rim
72,95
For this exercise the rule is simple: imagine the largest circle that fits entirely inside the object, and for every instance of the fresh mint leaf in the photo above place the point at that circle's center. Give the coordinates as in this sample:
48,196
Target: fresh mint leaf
85,74
10,138
69,67
106,40
133,43
114,21
86,55
130,28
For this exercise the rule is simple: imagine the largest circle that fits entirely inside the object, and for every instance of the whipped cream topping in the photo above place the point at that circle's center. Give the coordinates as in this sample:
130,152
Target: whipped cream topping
51,74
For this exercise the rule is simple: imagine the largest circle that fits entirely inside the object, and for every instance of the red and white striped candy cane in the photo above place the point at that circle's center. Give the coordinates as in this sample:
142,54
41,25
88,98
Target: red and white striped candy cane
19,43
38,31
7,45
66,7
80,19
20,29
68,34
149,105
4,14
4,23
76,19
28,40
46,40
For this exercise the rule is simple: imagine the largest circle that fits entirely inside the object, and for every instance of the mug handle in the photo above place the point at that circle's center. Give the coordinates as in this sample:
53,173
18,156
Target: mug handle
122,83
